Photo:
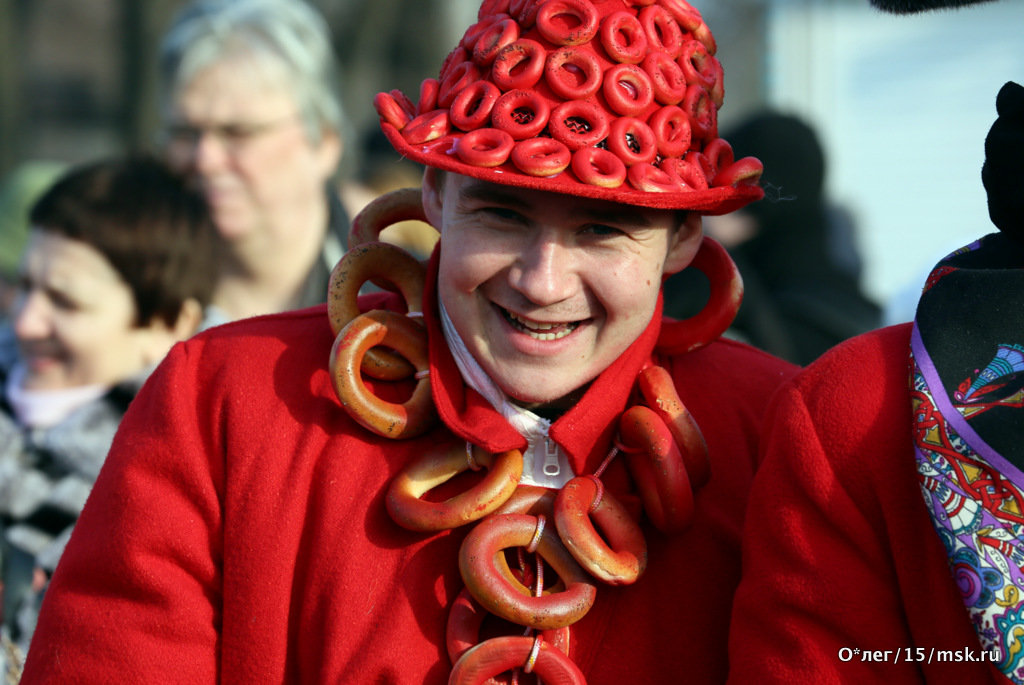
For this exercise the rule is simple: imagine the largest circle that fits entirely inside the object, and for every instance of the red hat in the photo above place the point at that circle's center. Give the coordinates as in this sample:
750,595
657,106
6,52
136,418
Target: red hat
609,99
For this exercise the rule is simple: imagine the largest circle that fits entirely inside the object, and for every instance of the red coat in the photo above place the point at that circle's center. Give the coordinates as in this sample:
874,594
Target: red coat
840,553
238,530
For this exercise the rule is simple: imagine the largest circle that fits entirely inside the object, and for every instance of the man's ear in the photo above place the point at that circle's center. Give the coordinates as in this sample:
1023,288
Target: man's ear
684,243
433,201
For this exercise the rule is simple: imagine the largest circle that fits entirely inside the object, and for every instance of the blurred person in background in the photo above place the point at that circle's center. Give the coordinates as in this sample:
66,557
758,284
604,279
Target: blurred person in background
118,266
795,249
251,113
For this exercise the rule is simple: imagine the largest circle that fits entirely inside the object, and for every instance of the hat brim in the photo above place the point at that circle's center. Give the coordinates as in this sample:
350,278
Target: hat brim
440,154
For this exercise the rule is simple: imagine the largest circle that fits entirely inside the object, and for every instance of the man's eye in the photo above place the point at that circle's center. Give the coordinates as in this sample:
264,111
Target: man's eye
602,230
504,214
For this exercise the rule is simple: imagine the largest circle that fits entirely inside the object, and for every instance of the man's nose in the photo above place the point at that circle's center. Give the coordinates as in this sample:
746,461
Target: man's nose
544,271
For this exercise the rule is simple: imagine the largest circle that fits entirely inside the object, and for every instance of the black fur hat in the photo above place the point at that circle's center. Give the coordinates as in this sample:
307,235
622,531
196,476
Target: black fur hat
915,6
1003,171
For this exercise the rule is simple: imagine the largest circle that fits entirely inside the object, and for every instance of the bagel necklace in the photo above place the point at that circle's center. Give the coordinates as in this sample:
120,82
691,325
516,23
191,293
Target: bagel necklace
542,530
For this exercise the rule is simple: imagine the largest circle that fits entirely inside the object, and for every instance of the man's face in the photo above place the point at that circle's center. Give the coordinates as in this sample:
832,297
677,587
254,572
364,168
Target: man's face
547,290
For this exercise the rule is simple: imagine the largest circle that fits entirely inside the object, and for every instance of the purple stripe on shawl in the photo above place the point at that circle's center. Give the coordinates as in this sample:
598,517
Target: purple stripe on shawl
953,417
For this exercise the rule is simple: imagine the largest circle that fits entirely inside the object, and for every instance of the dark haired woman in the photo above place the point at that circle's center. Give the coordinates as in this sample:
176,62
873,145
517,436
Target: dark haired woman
118,267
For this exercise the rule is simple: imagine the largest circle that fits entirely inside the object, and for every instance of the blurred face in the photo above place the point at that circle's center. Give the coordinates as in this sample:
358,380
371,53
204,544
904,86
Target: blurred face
74,317
238,132
548,290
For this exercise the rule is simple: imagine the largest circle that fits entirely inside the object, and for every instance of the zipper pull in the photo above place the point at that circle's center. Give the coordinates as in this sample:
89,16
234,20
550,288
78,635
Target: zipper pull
552,466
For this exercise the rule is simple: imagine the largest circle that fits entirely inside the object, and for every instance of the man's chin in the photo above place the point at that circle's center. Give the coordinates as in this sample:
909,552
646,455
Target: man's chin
555,400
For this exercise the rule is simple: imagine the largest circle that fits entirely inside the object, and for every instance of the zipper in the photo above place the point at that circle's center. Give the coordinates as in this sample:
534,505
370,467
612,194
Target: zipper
551,467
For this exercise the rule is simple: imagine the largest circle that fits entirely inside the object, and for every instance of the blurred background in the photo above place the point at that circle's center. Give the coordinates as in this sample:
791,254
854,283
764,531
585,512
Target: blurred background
901,104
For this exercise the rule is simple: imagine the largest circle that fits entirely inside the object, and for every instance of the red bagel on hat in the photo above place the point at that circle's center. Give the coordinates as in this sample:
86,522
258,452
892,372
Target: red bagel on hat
608,99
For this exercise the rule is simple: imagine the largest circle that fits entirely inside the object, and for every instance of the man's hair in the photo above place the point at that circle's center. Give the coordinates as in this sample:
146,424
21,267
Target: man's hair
154,230
287,35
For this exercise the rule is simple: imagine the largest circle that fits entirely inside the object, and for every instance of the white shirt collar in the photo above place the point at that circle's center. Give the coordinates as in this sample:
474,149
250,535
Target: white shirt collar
544,463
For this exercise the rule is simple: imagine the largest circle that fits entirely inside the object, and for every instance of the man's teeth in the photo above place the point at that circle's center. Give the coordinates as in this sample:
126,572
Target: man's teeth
541,331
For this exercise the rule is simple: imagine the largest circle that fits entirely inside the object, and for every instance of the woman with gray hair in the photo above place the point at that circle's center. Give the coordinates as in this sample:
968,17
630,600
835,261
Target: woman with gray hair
251,114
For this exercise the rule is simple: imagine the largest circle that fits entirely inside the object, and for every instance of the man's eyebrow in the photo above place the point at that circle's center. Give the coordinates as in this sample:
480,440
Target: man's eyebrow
626,216
490,193
623,216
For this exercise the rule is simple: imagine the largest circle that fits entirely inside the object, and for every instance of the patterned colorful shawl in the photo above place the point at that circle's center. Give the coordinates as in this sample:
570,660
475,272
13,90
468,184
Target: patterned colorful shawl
967,389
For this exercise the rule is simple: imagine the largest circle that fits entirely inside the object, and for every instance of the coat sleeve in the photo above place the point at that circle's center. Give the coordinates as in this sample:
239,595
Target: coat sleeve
844,579
136,595
817,578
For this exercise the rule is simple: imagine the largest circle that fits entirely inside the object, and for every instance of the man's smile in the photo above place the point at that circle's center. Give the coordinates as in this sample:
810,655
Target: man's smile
539,330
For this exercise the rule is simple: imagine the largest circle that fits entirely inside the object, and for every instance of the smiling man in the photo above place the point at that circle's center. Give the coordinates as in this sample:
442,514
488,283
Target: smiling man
278,508
545,291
